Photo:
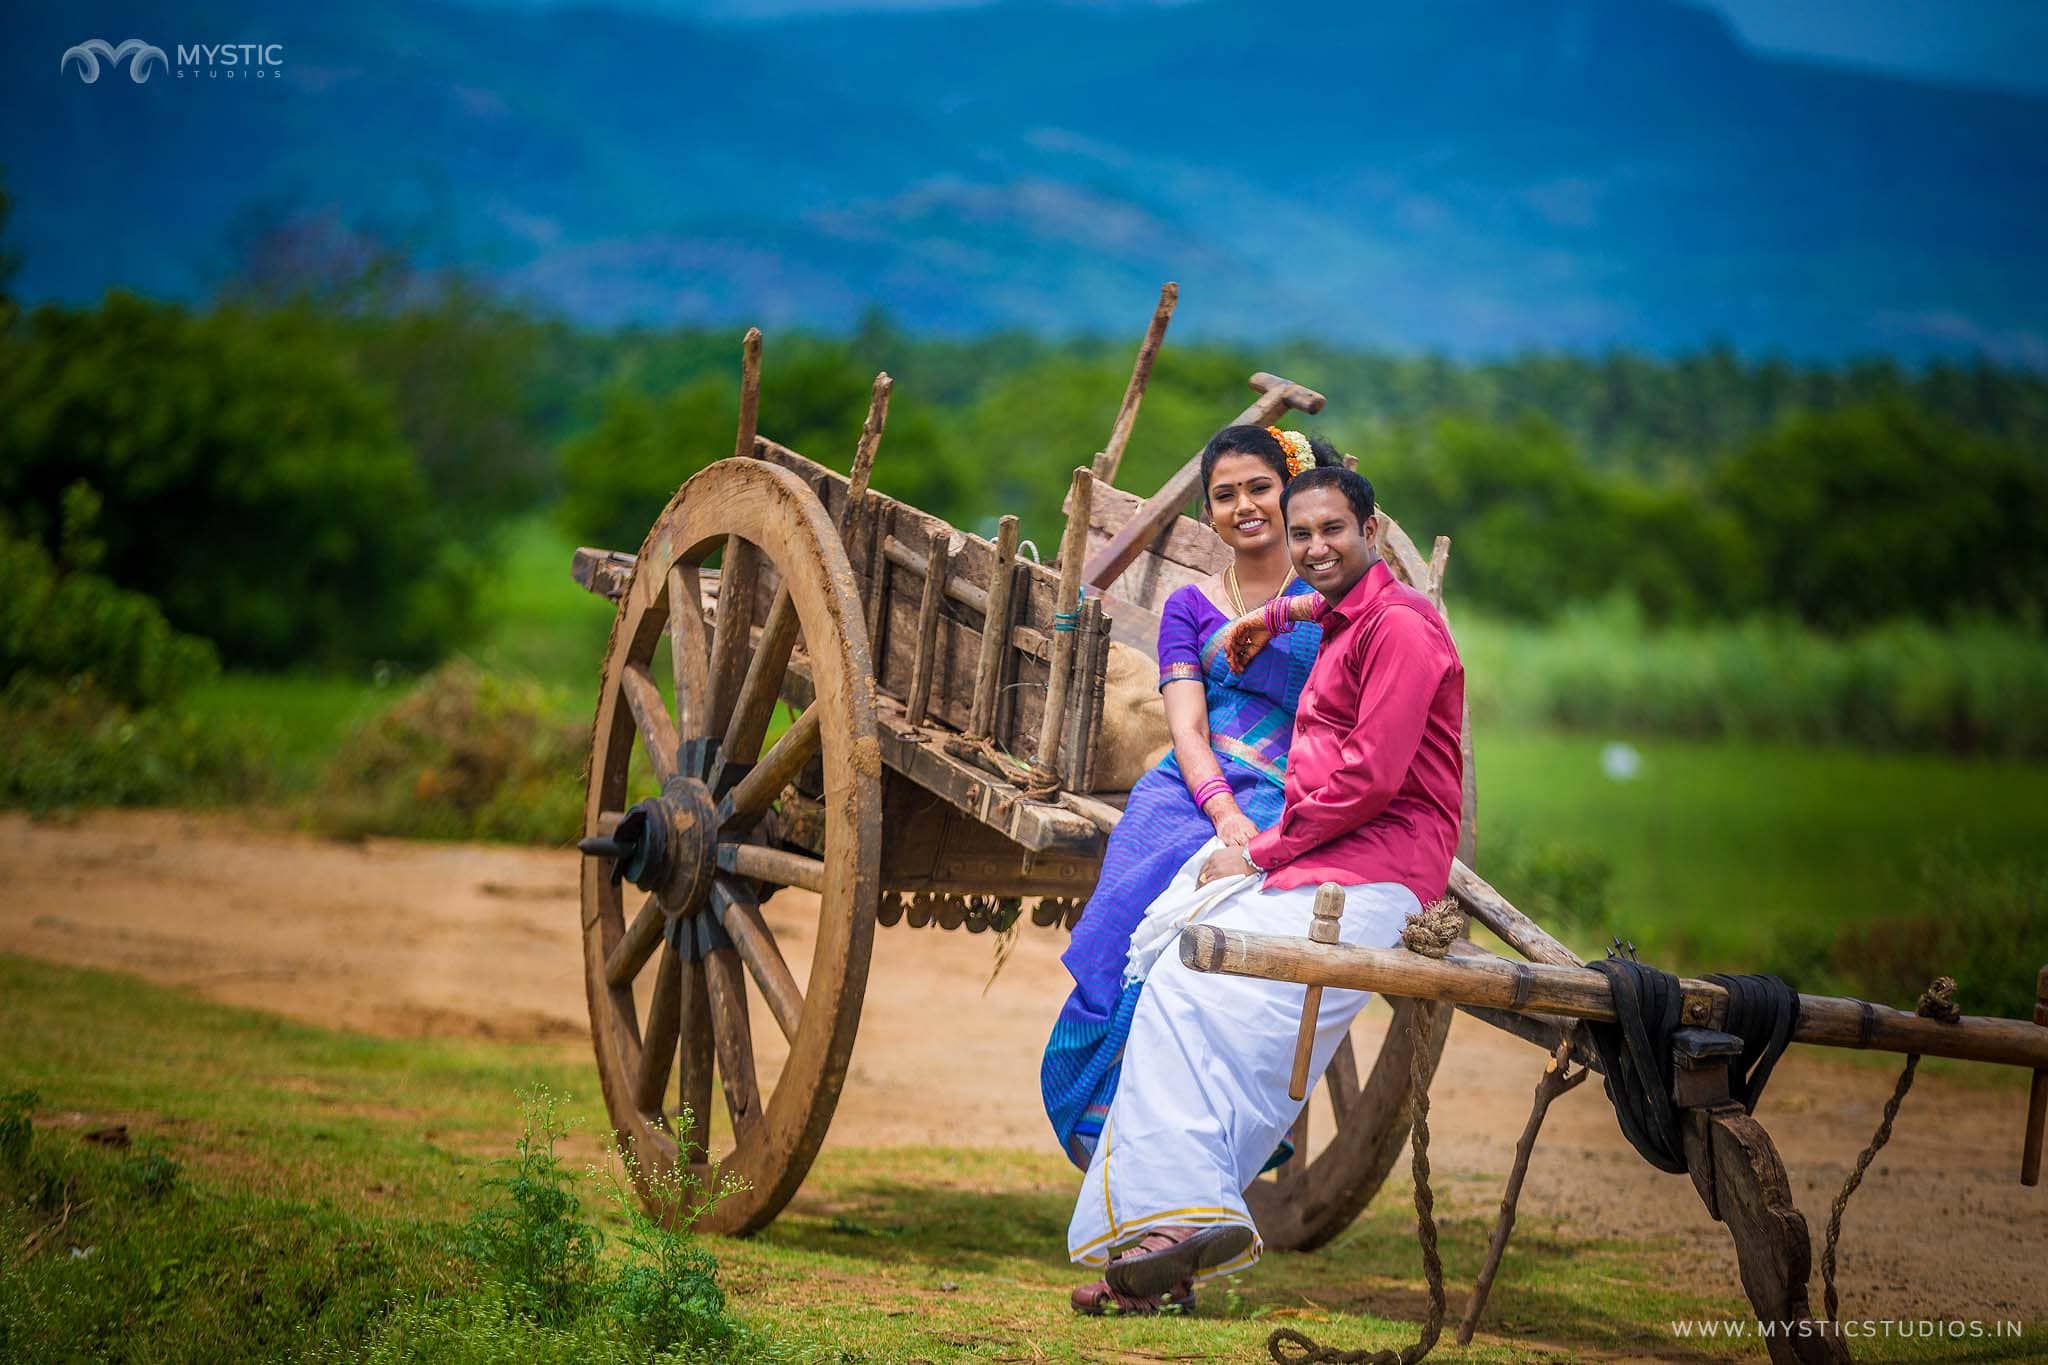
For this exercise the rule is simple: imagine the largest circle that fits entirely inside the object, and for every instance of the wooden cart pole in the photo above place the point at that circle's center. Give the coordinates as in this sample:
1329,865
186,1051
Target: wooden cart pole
995,632
750,392
1045,774
1329,912
1474,977
1276,395
2037,1101
854,517
1134,393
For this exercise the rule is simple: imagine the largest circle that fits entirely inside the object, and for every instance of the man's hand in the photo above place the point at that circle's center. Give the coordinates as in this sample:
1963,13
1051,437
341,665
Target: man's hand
1243,639
1224,862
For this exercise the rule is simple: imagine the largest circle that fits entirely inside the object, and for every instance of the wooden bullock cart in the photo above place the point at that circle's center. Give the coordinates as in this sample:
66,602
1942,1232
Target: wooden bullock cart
942,768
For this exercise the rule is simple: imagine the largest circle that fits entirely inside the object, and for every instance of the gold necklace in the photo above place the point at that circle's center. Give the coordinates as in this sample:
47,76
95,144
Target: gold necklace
1230,585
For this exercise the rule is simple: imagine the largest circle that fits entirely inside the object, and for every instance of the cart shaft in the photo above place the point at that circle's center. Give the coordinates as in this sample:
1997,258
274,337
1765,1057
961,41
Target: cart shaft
1475,977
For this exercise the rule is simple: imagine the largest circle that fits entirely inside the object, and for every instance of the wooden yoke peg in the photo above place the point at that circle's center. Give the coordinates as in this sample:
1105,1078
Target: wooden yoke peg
2037,1102
1329,912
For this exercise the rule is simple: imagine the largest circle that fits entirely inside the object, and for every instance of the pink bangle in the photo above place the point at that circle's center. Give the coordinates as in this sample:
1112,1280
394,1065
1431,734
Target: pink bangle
1278,620
1209,789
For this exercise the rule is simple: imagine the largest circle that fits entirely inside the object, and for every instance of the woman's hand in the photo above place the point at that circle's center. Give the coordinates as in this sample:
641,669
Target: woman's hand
1243,639
1233,826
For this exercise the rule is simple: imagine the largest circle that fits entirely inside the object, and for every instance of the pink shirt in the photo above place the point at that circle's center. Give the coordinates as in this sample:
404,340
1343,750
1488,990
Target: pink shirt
1375,777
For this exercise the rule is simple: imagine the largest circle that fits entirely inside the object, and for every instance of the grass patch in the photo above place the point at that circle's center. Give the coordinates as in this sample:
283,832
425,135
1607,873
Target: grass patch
326,1184
316,1226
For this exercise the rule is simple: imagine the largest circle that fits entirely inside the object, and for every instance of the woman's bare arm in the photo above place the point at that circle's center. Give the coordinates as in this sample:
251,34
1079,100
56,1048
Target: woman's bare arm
1187,720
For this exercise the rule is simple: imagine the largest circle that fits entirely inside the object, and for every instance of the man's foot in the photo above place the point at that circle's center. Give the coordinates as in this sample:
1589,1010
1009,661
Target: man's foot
1168,1256
1098,1300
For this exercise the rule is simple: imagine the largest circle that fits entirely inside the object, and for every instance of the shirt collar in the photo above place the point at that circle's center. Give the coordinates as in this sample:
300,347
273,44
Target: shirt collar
1377,580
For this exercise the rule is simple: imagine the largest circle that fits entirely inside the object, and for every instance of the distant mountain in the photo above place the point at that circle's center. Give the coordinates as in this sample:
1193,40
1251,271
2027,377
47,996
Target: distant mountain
1471,175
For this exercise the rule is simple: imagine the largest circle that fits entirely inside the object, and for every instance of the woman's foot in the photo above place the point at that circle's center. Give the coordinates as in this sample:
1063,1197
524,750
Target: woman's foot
1099,1300
1170,1256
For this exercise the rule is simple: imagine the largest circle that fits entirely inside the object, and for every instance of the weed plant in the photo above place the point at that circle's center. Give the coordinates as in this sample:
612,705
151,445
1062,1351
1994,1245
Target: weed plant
467,754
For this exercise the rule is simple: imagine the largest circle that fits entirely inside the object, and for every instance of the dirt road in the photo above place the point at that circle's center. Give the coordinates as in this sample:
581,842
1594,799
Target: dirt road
416,939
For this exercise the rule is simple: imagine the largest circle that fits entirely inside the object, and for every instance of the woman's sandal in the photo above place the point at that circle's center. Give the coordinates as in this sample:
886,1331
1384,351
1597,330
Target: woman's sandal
1170,1256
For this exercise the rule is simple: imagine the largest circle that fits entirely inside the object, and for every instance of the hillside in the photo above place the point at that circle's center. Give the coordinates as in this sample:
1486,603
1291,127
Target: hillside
1471,175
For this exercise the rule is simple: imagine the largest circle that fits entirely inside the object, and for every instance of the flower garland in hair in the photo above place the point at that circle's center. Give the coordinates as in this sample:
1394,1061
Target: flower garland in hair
1300,455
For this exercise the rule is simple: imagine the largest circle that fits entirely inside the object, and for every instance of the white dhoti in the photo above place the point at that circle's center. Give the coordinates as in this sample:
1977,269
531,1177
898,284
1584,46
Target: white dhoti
1201,1102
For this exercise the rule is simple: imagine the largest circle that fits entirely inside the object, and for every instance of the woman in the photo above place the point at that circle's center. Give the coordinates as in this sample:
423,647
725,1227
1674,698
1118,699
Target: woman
1222,778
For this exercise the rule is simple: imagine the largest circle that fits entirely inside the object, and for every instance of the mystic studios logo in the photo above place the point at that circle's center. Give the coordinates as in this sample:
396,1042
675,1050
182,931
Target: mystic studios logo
198,61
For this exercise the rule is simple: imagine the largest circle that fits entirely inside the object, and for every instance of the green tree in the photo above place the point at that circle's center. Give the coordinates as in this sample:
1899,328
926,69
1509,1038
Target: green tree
1884,510
618,475
253,481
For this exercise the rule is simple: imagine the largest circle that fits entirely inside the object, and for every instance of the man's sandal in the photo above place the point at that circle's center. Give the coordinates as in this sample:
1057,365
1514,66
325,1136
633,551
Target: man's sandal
1099,1300
1168,1256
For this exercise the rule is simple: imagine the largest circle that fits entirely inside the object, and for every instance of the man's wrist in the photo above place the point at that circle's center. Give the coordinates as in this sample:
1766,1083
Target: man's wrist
1245,851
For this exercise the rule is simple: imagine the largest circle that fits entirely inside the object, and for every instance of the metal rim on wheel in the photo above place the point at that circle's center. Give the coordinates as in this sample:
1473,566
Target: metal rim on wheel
668,955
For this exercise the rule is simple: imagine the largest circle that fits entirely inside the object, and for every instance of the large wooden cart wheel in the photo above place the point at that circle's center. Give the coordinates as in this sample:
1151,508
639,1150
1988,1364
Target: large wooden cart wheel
672,891
1306,1202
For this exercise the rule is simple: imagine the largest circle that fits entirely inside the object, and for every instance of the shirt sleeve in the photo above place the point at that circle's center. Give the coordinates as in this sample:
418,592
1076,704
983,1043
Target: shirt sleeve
1401,663
1180,645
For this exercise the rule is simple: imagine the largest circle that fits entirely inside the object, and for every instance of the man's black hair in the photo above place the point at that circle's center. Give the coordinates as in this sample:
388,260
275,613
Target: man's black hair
1357,489
1257,441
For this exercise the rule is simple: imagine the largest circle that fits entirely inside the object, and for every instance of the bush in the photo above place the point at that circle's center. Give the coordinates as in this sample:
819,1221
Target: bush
1562,886
57,625
254,482
465,755
1982,921
71,744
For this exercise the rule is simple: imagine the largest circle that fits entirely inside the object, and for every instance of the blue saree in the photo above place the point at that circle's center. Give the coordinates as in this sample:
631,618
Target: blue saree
1251,723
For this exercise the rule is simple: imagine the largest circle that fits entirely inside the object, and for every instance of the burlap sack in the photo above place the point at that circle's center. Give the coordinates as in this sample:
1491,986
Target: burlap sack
1133,737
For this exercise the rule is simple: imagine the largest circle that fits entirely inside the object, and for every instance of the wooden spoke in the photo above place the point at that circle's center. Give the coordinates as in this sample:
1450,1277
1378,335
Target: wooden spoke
664,1022
651,719
689,648
1299,1136
731,633
735,1042
741,915
624,962
754,793
763,685
694,1091
772,865
1341,1080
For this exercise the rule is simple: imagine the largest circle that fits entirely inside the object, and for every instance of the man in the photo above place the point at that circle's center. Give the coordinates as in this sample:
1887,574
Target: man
1374,780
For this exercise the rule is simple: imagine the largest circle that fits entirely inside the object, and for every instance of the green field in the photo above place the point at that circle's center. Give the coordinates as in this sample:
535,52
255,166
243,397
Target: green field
324,1181
1715,846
